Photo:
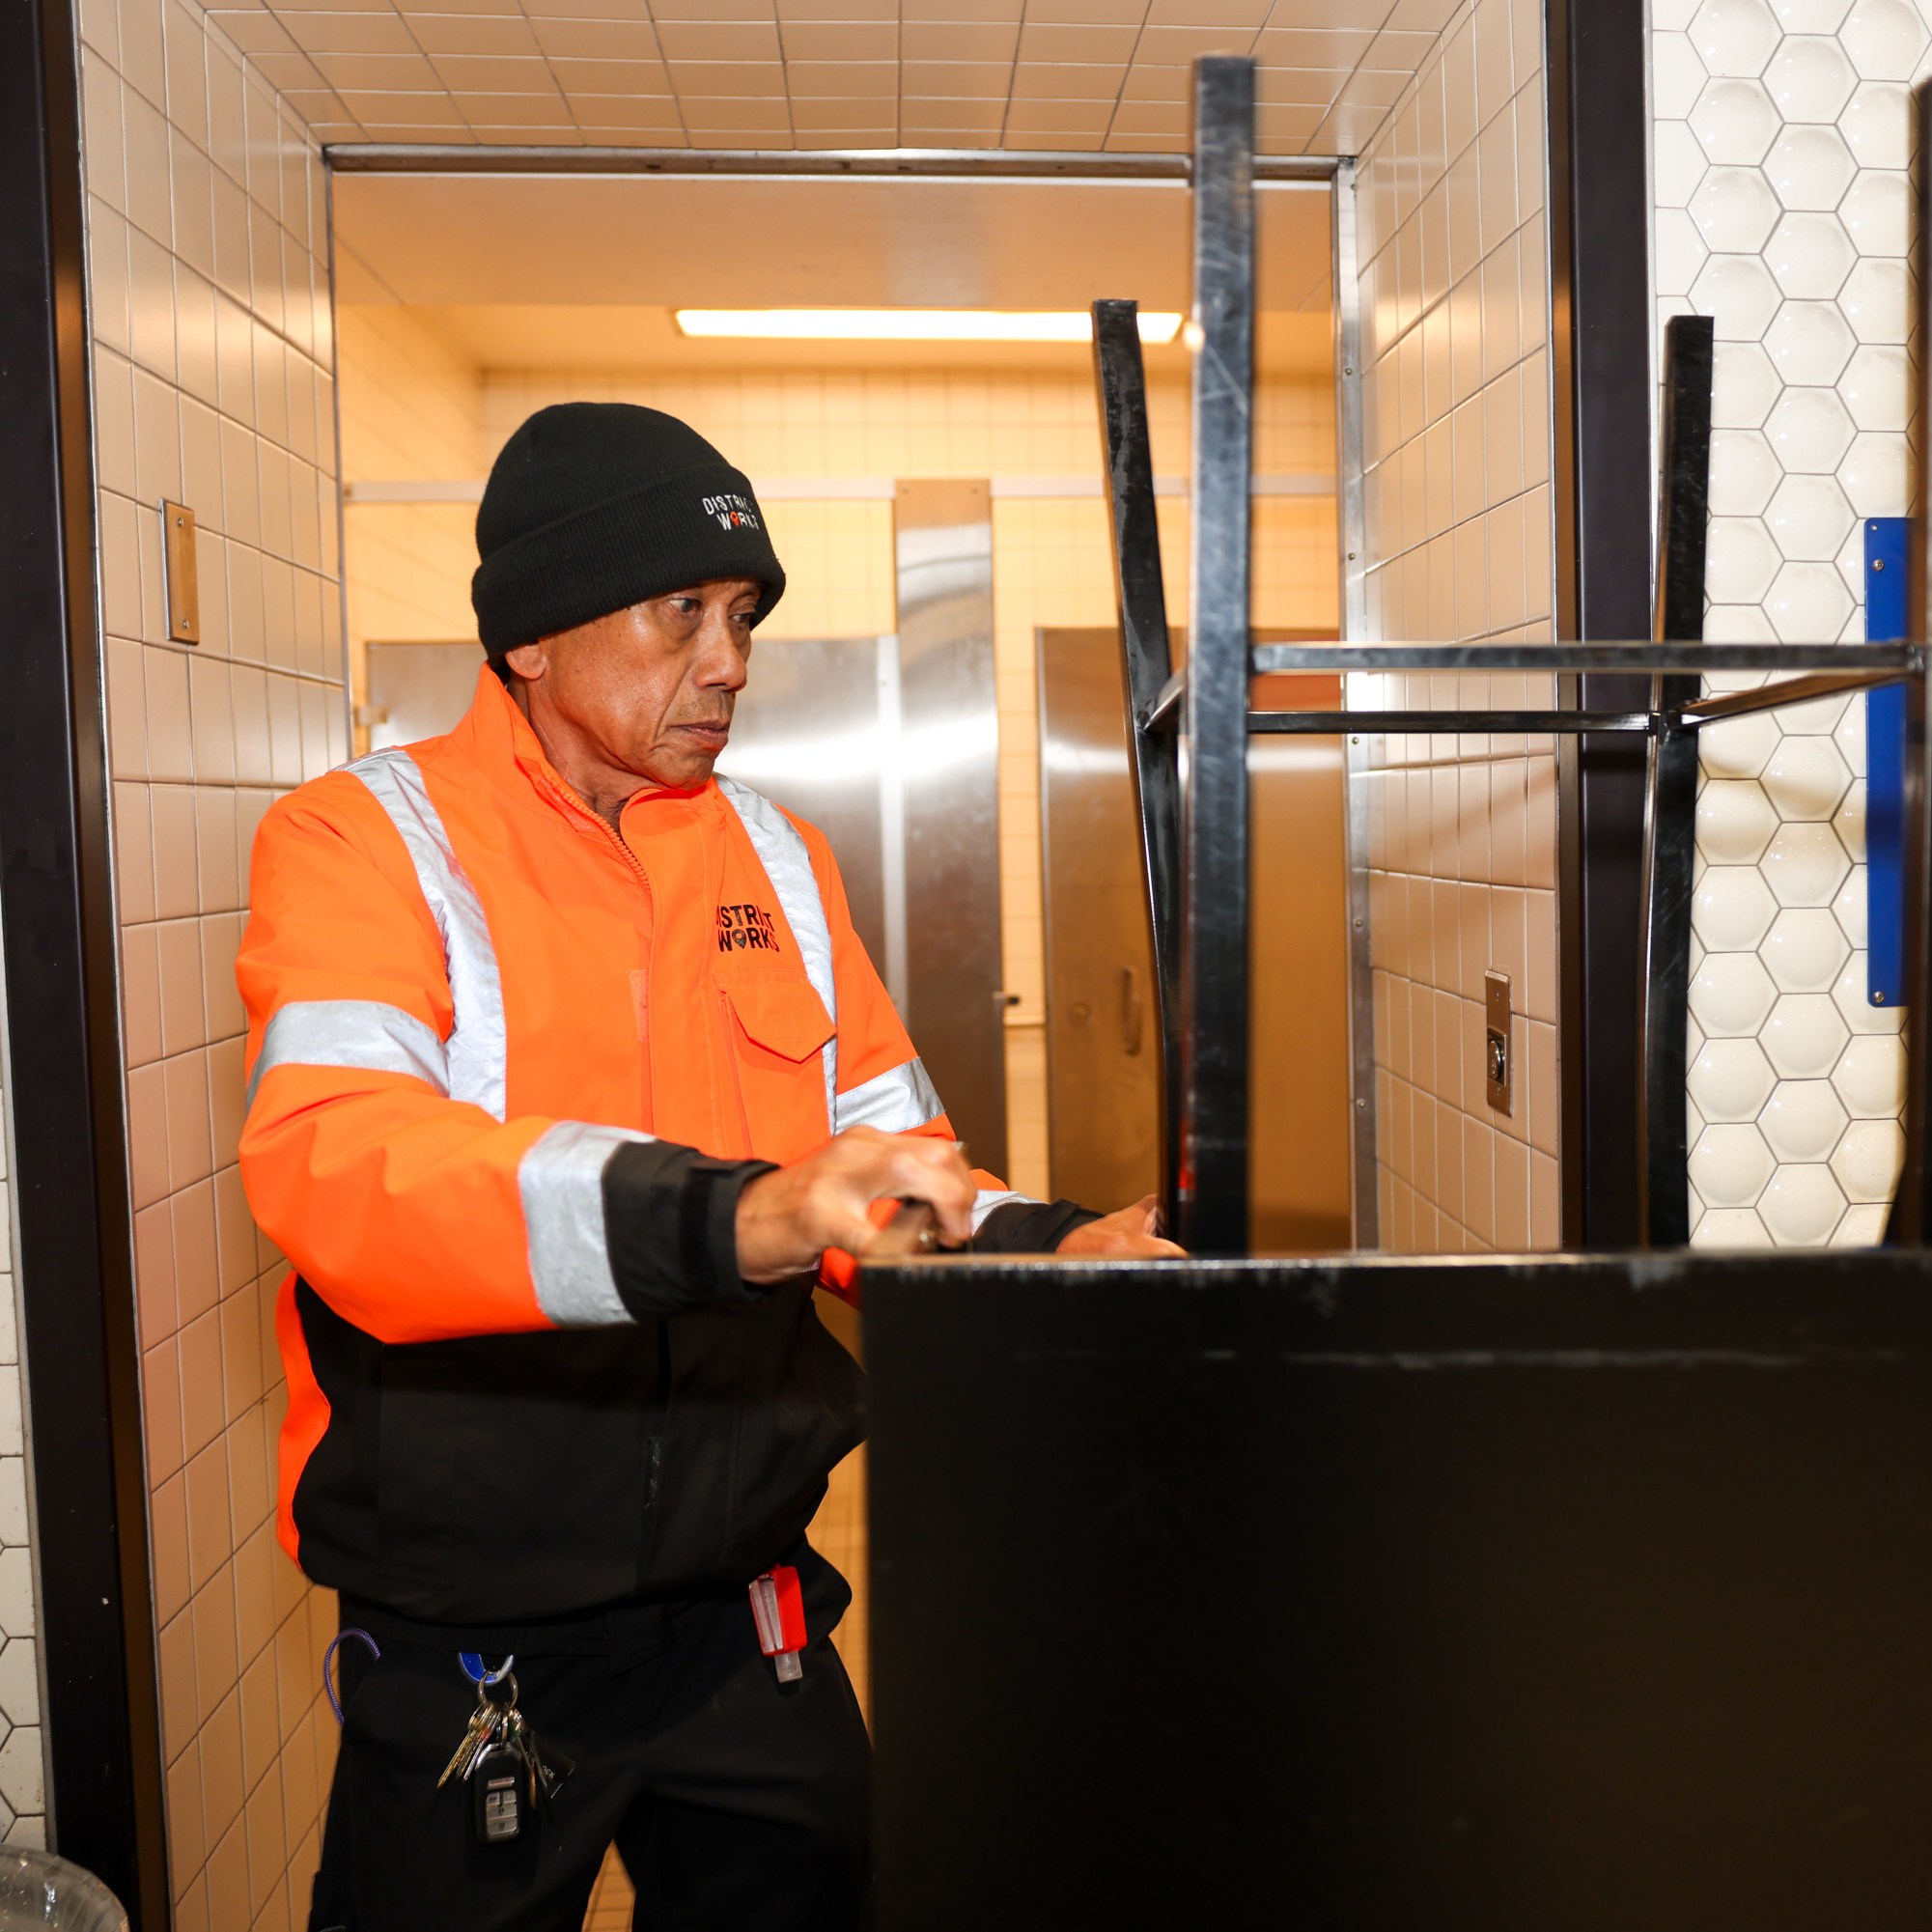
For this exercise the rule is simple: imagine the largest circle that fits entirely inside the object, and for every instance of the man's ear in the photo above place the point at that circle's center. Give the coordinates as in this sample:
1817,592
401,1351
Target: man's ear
529,661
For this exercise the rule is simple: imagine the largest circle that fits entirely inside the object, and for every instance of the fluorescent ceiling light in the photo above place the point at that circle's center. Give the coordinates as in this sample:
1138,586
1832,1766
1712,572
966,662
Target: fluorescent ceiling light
909,325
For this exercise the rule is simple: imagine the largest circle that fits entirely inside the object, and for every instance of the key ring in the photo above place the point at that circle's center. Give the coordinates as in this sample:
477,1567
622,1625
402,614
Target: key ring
473,1668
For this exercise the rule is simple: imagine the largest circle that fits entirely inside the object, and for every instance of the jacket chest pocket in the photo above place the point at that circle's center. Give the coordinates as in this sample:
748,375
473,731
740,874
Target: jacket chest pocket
778,1028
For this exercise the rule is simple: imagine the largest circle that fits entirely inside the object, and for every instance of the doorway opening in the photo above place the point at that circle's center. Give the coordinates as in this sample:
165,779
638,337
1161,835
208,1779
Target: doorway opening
467,301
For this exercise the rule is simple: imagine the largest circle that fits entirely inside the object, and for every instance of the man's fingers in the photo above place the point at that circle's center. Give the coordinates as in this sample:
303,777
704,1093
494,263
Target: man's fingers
937,1172
866,1166
855,1232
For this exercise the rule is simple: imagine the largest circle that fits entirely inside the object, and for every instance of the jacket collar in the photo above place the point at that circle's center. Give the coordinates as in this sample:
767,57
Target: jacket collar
497,740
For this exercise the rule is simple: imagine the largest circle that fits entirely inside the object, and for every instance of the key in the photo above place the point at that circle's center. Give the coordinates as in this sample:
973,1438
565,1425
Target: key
488,1720
483,1725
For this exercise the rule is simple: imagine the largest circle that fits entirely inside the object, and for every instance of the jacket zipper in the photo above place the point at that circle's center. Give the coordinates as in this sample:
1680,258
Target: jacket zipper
660,1416
577,808
641,982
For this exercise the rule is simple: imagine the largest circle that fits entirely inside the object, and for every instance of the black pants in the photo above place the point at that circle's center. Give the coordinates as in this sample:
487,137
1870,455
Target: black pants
734,1801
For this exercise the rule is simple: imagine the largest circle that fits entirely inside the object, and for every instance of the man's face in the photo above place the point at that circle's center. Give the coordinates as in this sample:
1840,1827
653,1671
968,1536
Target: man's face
648,691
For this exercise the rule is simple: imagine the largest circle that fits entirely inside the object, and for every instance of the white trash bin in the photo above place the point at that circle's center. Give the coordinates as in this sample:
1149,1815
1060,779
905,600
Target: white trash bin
37,1889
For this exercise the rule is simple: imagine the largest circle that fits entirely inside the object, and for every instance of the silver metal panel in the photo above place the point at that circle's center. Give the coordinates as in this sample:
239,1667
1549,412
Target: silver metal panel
382,157
809,734
1351,522
1352,564
891,963
1648,657
949,768
1357,765
419,691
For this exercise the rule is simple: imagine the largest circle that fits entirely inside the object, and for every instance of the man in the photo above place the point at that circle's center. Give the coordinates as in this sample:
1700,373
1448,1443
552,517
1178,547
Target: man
556,1159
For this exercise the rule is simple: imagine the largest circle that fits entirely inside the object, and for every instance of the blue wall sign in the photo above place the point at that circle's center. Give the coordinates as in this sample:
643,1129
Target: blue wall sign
1885,539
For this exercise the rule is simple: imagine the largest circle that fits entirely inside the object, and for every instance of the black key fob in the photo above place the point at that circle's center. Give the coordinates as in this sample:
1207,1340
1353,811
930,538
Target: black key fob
552,1771
499,1781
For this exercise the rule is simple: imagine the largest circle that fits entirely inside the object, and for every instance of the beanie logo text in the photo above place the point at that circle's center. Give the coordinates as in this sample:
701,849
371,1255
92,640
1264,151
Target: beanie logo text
732,512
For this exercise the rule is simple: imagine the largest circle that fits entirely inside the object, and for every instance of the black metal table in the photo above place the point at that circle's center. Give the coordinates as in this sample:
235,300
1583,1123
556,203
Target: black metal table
1516,1594
1532,1596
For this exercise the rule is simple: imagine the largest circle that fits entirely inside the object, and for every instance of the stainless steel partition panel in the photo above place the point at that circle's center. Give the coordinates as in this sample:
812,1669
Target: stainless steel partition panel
949,767
809,733
1351,530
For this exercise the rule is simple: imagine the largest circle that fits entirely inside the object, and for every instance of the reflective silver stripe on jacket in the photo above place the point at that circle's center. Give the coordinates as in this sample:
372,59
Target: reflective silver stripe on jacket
363,1033
561,1181
478,1045
897,1101
787,864
985,1200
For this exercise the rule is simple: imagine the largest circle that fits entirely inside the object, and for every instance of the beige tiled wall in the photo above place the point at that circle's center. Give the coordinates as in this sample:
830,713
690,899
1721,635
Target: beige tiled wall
213,360
22,1755
1781,139
1051,555
1462,830
410,408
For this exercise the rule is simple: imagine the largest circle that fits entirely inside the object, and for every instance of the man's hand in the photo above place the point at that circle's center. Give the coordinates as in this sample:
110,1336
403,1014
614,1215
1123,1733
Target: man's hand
1133,1231
786,1219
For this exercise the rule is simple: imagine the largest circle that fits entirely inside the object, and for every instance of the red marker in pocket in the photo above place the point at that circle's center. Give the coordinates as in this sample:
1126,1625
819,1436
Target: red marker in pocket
778,1609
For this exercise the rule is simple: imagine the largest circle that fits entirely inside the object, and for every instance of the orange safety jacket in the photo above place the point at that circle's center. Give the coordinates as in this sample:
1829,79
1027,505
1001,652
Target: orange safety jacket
508,1071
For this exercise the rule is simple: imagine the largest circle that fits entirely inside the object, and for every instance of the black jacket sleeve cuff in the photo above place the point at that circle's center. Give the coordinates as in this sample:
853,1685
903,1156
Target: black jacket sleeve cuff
1030,1227
670,1223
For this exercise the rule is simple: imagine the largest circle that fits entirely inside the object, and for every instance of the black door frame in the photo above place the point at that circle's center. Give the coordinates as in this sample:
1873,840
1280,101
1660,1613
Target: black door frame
73,1232
1598,61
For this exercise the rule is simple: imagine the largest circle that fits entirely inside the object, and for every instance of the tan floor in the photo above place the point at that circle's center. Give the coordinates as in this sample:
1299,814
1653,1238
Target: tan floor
839,1534
611,1903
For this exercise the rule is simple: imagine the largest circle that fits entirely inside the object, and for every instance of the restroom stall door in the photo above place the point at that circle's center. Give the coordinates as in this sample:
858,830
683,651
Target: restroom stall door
1103,1078
884,758
949,745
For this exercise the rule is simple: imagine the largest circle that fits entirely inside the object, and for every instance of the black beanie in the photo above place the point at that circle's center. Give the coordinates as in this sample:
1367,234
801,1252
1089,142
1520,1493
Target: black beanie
593,507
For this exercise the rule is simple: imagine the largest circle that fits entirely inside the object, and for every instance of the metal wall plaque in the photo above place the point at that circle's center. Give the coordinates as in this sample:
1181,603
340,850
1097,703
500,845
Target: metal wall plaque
1498,1071
184,585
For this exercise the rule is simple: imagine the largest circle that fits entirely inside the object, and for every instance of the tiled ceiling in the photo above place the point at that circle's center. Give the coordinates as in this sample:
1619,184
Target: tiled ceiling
1076,74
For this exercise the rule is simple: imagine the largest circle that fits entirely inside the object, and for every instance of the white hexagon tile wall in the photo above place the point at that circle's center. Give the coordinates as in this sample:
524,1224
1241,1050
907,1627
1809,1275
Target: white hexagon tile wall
1782,136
